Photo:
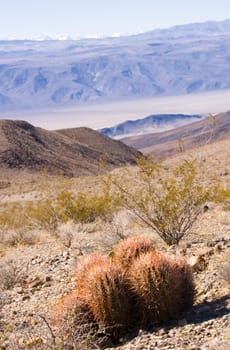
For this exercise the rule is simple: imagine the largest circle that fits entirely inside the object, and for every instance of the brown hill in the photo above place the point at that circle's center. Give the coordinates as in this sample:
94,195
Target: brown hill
70,152
196,134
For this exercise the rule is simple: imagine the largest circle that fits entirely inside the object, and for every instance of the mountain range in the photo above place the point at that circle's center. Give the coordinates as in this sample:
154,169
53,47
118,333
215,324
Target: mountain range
152,123
179,60
199,133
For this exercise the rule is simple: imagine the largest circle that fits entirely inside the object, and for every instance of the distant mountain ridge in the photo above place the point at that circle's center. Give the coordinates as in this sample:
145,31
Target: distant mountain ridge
175,61
70,152
152,123
199,133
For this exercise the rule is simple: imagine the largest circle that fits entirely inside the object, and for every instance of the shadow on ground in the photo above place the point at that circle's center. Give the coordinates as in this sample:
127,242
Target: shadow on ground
198,314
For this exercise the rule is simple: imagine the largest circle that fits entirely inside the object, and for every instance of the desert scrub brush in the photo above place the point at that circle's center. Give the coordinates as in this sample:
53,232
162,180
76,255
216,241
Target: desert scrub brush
130,249
160,284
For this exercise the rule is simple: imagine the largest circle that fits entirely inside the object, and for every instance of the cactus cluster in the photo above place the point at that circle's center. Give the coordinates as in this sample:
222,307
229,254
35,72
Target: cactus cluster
135,287
160,284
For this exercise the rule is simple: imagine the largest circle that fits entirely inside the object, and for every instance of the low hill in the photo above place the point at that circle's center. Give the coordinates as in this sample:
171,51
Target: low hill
70,152
185,137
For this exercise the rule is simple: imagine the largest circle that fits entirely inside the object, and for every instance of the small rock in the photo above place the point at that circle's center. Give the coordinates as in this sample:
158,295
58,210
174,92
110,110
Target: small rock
65,254
20,290
198,263
48,278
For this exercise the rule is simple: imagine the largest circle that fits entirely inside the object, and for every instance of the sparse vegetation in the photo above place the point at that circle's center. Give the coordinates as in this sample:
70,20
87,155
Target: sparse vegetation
11,274
222,195
41,231
48,213
19,236
169,203
224,269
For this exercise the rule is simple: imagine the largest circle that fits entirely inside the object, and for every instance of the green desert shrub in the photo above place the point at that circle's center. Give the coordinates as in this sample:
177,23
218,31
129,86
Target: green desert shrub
222,195
168,202
42,214
81,208
11,216
47,213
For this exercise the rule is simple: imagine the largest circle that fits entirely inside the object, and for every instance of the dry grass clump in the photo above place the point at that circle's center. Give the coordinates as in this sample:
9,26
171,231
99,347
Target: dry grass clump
224,268
113,297
17,237
11,274
75,321
225,272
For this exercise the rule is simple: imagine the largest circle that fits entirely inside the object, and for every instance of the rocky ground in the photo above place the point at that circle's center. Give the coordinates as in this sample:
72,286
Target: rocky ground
42,273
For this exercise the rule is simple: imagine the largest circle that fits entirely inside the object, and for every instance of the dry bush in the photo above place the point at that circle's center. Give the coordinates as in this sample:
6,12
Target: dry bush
19,237
11,274
66,238
75,322
129,249
224,267
225,272
163,287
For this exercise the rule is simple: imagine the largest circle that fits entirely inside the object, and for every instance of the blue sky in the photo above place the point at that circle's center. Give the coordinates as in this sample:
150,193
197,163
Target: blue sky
29,18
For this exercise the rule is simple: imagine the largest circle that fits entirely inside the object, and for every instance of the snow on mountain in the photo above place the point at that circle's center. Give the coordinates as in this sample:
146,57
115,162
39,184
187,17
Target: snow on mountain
180,60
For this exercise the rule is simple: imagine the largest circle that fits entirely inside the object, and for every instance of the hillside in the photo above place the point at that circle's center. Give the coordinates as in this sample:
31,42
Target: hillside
185,137
70,152
180,60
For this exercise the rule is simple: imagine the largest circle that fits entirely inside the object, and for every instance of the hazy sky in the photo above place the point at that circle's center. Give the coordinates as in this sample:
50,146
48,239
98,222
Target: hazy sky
28,18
